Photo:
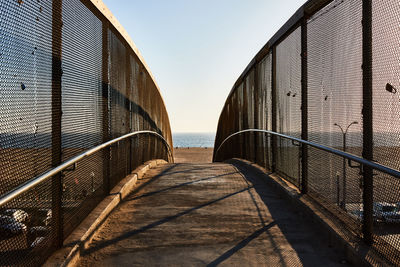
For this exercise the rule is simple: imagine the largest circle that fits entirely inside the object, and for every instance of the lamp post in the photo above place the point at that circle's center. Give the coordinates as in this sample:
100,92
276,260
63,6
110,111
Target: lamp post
344,133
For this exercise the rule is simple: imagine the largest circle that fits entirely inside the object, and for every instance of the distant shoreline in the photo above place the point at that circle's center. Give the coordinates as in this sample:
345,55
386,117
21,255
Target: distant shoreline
185,140
193,154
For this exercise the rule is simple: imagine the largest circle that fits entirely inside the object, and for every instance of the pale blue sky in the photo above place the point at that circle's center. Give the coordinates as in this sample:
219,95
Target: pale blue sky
197,49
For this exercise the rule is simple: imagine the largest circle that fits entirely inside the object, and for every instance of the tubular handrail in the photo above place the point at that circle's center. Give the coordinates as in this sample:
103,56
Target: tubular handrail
41,178
340,153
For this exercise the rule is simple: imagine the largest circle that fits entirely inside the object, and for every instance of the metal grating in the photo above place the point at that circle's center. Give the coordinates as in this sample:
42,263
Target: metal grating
320,57
288,97
118,93
25,99
335,74
68,81
386,118
335,97
81,120
265,109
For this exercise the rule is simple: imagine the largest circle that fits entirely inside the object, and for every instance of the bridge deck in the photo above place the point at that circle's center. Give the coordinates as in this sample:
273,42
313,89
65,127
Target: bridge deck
206,214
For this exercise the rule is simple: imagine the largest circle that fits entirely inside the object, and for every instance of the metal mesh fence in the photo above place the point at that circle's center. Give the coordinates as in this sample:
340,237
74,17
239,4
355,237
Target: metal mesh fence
386,123
69,81
265,110
288,98
25,99
335,102
314,80
27,232
119,109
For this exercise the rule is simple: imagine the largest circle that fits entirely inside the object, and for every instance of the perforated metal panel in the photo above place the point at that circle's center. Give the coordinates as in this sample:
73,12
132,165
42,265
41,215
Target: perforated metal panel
265,108
81,122
324,56
250,116
25,99
335,100
288,91
119,123
25,128
68,82
386,115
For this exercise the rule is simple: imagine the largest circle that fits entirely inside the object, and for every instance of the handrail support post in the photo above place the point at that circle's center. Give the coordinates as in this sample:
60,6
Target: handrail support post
304,108
367,227
105,101
56,111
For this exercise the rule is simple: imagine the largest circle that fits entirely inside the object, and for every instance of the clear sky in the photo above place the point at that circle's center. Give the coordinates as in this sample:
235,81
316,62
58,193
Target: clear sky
197,49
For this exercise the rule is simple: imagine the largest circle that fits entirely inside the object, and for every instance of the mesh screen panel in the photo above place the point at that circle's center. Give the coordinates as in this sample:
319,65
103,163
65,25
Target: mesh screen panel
81,110
335,101
288,90
81,79
25,99
82,190
250,142
386,120
25,129
26,228
265,109
134,109
71,69
118,107
332,43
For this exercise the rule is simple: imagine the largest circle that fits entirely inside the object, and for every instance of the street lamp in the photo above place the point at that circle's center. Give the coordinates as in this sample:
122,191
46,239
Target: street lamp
344,132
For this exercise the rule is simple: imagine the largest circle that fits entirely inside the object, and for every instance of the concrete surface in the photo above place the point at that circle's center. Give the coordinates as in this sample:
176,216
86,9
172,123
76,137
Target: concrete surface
206,214
79,239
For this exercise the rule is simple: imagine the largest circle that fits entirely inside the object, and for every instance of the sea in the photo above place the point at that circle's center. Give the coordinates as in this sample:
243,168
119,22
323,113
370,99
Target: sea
87,140
193,139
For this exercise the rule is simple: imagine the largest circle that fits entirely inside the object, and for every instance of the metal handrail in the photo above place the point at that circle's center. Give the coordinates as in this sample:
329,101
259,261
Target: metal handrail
43,177
349,156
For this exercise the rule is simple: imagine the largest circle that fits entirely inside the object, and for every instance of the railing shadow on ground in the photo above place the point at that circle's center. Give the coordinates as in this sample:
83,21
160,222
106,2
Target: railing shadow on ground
241,245
314,238
256,188
157,223
177,186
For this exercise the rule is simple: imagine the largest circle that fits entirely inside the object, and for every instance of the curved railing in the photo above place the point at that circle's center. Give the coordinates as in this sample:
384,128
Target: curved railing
42,178
341,153
329,76
73,87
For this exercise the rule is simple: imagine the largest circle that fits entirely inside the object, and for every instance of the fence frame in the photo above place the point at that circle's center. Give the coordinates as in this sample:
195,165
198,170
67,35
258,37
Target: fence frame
299,19
158,127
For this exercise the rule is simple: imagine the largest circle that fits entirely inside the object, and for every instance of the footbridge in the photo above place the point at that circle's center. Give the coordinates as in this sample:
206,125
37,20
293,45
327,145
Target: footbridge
305,167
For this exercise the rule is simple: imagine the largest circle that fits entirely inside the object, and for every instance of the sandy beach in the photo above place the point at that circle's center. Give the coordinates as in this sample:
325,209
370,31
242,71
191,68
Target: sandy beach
193,154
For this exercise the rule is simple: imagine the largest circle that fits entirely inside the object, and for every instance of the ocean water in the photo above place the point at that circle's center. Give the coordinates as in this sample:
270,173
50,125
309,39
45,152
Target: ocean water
193,139
87,140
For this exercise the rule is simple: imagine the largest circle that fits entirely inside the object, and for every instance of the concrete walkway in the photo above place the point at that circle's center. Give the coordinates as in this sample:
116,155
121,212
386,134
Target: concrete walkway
206,215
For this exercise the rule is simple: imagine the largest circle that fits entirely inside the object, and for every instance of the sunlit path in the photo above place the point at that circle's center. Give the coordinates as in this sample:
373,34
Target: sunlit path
206,214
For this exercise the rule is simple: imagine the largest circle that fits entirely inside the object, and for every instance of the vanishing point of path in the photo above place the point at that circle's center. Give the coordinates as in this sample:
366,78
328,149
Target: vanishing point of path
206,214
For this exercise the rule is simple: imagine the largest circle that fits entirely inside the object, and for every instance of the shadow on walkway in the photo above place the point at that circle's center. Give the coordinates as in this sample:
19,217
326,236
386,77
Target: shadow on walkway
309,241
157,223
254,219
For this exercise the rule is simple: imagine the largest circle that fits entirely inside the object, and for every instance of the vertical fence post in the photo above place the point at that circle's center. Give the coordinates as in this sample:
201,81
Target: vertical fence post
274,109
56,43
367,120
105,107
304,107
